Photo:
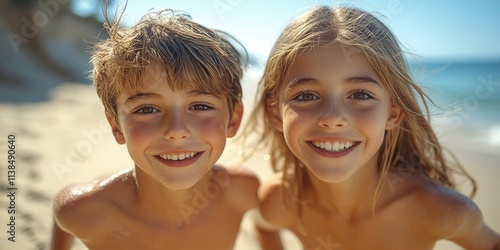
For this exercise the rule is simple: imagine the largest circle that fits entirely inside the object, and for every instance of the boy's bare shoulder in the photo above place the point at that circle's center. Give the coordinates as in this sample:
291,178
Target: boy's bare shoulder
440,211
276,202
77,207
240,183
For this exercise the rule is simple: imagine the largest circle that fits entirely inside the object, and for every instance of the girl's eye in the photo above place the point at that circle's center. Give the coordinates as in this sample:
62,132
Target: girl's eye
200,107
361,95
305,96
147,110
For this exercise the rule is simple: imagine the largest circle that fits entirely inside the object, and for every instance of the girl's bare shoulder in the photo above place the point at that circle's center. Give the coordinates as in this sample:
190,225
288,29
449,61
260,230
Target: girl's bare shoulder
440,211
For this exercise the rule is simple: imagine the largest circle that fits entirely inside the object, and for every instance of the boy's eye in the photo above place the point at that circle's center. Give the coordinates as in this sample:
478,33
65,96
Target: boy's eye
305,96
147,110
200,107
360,95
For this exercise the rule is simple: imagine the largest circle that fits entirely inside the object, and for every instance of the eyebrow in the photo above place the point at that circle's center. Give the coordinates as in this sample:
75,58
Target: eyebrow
350,80
299,81
361,79
198,92
141,96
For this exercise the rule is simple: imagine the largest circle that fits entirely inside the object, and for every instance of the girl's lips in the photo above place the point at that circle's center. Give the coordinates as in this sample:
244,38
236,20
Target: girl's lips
176,161
333,154
335,146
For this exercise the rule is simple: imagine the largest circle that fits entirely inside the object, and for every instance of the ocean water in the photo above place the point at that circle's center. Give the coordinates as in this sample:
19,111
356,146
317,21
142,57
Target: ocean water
467,97
462,81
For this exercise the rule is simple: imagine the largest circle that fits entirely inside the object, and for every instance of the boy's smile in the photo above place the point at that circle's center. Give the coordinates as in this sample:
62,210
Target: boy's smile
179,160
174,136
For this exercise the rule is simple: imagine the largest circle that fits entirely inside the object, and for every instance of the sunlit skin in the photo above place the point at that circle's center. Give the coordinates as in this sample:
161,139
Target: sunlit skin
158,122
175,197
333,112
333,99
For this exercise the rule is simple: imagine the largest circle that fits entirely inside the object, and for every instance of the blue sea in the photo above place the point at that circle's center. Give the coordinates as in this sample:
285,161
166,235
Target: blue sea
466,90
463,81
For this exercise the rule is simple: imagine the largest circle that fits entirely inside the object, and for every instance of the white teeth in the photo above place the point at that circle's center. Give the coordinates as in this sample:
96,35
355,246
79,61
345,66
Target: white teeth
333,146
177,157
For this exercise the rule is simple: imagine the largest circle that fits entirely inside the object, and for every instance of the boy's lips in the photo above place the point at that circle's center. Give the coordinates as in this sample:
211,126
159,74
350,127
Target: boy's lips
333,149
178,160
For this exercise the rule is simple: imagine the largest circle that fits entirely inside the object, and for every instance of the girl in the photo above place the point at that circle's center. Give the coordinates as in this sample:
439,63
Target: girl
359,164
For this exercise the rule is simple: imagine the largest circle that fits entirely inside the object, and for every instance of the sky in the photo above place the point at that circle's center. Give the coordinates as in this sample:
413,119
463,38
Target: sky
444,29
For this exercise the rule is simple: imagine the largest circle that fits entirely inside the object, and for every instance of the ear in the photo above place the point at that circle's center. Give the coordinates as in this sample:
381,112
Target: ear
395,117
235,121
273,112
115,128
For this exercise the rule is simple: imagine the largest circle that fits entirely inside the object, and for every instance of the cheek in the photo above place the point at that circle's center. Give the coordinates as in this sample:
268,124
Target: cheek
293,123
212,132
140,135
215,127
375,119
373,124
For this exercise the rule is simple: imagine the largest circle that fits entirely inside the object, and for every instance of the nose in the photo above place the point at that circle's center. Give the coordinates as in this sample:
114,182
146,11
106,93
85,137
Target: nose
333,115
176,127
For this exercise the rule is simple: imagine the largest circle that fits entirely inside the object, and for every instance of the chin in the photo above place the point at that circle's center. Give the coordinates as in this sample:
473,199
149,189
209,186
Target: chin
179,186
331,175
179,183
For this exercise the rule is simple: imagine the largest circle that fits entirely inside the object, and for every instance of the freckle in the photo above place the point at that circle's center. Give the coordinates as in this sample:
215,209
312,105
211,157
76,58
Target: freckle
451,215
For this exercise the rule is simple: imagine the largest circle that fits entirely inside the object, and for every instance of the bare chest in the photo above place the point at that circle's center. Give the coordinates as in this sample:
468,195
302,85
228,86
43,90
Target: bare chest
379,231
217,230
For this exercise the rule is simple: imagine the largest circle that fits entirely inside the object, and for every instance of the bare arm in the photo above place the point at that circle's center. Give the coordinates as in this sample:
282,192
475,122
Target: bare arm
67,209
60,239
268,236
273,214
457,218
475,234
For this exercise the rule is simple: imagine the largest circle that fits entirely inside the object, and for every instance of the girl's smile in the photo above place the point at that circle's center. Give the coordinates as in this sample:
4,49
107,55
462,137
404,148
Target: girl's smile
333,149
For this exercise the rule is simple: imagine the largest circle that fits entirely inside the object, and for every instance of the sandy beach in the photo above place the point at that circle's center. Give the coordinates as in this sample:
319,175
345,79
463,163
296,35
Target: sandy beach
67,140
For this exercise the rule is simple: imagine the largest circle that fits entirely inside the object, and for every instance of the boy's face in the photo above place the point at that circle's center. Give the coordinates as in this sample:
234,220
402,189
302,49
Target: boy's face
174,136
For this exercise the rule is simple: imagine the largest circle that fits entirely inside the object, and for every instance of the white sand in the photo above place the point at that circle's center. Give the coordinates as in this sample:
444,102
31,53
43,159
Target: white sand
67,140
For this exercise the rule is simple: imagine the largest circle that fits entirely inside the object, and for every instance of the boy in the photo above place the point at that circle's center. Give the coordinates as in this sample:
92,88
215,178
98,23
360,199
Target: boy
171,92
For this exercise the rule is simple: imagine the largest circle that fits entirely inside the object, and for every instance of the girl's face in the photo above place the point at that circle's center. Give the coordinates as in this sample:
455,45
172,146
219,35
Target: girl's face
174,136
333,111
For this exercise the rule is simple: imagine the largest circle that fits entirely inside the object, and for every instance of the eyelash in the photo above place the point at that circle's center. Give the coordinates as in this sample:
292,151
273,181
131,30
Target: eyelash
367,95
300,96
204,107
197,107
141,109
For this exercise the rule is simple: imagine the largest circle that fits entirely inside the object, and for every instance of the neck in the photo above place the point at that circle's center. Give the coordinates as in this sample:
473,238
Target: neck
350,198
174,207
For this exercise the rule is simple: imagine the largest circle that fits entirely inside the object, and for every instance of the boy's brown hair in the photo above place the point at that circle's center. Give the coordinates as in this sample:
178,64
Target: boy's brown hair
191,55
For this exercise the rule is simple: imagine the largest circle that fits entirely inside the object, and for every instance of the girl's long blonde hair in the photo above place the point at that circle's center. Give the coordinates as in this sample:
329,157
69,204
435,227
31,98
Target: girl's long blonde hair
413,147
